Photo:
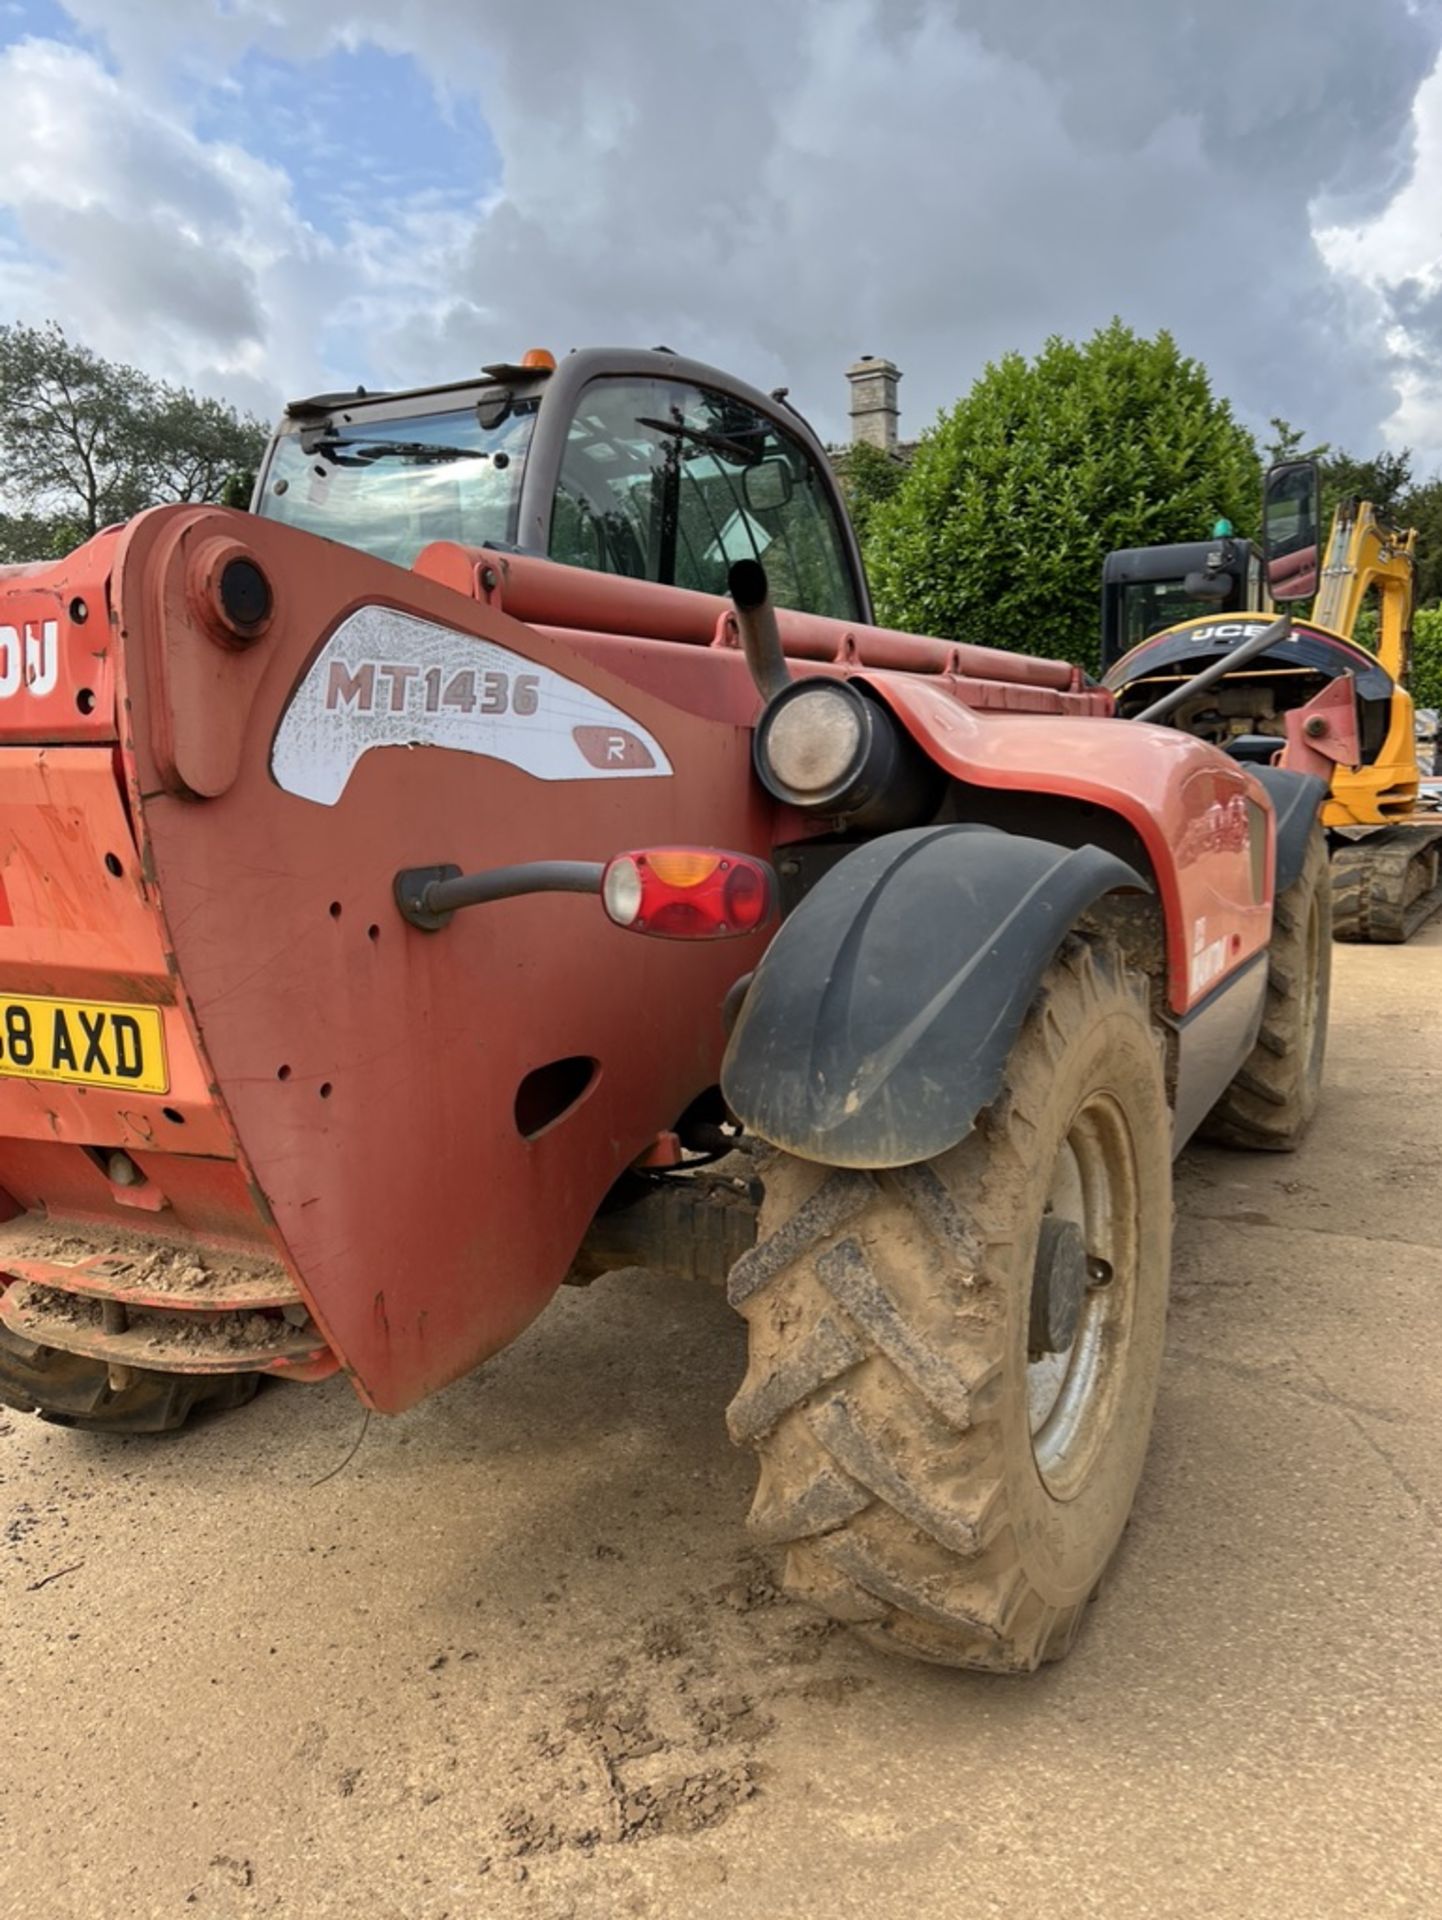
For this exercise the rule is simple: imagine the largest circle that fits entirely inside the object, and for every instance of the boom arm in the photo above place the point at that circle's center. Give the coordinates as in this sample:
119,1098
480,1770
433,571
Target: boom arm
1363,553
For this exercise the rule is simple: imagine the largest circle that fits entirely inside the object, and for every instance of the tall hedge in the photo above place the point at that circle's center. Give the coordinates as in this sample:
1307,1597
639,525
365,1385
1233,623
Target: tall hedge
1427,657
1016,495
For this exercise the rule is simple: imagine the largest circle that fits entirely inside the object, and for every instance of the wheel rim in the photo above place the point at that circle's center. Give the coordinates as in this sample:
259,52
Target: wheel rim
1072,1397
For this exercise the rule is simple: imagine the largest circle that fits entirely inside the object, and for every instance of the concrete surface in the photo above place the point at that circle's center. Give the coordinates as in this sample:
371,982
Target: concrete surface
516,1660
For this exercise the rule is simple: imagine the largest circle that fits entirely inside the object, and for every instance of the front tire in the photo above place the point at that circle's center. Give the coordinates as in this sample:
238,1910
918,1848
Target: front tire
937,1481
72,1390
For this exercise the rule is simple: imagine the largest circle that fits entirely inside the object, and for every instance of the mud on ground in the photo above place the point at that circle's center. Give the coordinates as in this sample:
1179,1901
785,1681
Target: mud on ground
517,1659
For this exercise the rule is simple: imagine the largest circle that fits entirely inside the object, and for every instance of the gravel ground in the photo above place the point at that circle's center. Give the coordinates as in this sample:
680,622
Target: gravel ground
516,1659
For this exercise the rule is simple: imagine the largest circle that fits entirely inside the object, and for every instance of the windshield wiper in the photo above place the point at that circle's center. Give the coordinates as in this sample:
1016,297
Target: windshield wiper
341,451
733,450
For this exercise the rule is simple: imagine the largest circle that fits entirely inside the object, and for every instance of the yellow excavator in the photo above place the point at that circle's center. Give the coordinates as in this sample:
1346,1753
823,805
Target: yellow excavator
1318,700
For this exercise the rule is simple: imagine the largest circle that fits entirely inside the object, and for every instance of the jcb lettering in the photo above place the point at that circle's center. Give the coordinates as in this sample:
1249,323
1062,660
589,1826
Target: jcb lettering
1227,630
29,657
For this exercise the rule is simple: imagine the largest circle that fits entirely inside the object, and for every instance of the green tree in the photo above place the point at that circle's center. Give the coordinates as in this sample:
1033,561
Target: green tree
86,441
1016,496
868,476
1286,443
1426,686
37,536
1421,507
1385,480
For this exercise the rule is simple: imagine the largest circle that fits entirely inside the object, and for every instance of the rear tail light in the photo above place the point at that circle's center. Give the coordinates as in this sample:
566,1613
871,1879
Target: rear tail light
688,893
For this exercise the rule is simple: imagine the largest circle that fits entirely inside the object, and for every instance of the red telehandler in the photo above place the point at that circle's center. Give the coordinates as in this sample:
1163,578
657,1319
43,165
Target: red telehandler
410,889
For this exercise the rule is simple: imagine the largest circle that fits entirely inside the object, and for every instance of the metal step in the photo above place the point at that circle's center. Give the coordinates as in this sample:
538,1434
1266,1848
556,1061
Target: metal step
165,1342
141,1270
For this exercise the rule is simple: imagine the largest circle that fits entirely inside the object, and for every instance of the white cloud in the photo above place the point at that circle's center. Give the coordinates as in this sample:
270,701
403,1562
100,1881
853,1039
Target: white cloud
1394,264
186,256
774,184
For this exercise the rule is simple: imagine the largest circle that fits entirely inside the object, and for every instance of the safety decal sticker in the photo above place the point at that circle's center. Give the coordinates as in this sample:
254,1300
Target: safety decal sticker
1209,959
388,679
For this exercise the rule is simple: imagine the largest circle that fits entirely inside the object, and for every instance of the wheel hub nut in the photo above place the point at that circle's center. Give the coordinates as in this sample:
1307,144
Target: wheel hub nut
1059,1286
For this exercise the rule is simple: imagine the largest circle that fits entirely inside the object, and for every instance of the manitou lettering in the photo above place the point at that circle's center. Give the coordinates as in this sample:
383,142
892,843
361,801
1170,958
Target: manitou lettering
29,657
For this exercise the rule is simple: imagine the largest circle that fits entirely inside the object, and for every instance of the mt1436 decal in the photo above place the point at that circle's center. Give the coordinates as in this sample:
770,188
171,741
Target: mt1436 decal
388,679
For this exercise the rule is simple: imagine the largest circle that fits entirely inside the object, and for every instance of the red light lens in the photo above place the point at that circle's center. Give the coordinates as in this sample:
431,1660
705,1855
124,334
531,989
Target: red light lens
688,893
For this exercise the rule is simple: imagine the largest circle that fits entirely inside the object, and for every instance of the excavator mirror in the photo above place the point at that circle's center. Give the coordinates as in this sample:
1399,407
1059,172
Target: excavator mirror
1203,584
1292,529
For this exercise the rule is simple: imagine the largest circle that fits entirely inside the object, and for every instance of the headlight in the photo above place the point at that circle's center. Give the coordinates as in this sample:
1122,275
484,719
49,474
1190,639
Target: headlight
813,744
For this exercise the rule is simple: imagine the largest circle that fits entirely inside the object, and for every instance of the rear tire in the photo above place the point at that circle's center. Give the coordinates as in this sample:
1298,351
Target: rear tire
1270,1103
924,1491
74,1391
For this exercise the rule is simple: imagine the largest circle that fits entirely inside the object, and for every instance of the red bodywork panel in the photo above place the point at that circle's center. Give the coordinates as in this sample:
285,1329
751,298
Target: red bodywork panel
349,1094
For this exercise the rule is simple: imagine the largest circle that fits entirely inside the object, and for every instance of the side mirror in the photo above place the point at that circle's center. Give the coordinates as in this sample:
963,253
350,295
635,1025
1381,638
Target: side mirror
767,485
1292,529
1207,586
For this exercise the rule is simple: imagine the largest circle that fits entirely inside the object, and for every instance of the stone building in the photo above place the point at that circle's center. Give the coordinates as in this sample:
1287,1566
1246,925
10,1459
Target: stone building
875,412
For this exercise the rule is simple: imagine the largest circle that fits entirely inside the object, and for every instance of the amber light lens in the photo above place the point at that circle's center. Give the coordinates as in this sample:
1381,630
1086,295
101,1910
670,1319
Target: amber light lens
688,893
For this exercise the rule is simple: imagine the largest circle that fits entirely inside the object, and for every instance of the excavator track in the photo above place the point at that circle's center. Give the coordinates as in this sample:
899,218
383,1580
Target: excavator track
1386,883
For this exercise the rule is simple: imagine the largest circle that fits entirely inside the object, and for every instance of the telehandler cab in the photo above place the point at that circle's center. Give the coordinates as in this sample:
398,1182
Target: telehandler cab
510,849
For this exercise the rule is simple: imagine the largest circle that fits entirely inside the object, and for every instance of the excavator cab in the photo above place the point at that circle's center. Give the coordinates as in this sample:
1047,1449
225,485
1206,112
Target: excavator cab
1148,589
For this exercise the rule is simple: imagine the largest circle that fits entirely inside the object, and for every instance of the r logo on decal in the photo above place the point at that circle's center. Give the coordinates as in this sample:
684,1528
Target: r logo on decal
611,747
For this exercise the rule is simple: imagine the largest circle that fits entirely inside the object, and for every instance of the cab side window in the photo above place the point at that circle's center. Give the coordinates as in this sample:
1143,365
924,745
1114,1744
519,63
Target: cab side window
665,481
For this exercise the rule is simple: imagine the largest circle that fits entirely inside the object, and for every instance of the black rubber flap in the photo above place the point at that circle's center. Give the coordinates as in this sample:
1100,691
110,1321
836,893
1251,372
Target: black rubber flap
879,1023
1296,798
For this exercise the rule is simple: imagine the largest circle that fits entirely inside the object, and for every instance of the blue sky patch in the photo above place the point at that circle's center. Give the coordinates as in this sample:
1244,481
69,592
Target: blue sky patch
38,20
358,131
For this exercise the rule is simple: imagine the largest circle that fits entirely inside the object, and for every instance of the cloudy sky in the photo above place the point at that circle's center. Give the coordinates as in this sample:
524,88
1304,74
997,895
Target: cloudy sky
264,197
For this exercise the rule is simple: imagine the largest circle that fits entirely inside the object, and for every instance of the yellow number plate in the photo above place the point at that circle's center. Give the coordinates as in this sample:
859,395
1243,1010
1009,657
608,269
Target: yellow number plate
85,1041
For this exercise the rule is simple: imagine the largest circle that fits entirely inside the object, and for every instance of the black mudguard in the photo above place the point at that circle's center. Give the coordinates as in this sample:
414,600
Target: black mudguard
1296,800
879,1023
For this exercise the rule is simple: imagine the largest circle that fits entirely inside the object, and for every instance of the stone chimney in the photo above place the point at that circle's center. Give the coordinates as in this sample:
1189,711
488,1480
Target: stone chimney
874,412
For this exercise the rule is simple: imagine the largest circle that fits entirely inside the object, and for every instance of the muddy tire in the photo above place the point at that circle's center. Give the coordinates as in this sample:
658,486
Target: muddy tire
73,1391
1270,1103
937,1482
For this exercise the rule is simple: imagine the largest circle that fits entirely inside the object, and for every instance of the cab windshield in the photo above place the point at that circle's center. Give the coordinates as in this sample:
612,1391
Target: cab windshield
1149,606
392,486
